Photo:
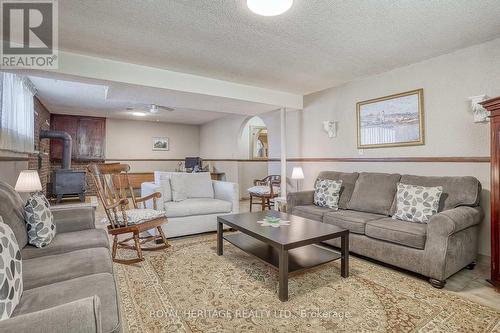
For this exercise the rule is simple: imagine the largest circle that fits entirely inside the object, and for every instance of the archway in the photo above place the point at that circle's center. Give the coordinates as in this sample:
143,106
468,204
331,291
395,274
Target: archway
253,149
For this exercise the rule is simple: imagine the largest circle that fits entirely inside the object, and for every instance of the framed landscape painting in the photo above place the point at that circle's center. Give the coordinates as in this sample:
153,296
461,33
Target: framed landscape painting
391,121
160,143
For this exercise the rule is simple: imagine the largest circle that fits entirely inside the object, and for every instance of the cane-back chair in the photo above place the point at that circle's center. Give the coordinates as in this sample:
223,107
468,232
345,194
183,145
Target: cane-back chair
266,190
124,212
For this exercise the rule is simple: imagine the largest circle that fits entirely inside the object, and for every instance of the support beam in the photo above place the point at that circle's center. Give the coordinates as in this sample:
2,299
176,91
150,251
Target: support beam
283,150
111,70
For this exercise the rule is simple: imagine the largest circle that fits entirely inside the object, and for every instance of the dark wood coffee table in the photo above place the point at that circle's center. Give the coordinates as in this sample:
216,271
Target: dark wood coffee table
288,248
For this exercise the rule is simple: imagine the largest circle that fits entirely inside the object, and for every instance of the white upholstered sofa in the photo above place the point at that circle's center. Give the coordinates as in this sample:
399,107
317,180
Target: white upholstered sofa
192,201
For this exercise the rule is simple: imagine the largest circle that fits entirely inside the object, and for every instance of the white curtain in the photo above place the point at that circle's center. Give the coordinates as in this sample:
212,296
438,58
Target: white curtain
17,114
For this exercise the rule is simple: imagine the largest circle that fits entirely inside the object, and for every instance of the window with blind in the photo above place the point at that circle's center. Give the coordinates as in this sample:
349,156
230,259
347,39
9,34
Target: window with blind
16,113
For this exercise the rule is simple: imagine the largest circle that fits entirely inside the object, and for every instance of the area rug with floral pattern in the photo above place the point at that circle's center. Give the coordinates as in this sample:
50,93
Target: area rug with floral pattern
188,288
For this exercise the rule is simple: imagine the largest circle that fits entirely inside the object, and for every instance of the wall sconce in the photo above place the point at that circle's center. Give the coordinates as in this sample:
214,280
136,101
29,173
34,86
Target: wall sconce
330,127
481,115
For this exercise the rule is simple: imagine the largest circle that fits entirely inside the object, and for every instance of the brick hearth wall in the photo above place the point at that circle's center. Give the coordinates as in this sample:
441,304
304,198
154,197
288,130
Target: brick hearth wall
42,121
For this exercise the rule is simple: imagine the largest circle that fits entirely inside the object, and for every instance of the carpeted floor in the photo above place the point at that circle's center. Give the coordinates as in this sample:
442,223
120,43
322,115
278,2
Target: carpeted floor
188,288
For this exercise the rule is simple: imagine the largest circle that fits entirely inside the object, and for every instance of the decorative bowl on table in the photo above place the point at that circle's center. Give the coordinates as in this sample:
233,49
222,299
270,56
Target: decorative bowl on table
272,219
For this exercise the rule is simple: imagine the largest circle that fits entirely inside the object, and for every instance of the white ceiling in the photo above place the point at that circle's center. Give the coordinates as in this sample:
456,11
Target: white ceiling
111,100
315,45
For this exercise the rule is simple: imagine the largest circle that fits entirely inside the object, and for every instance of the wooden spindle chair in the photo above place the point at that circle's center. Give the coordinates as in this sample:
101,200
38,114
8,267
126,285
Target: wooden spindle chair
117,197
270,184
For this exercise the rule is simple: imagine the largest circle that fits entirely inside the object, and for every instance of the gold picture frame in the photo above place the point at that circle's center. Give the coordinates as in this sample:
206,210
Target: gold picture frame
391,121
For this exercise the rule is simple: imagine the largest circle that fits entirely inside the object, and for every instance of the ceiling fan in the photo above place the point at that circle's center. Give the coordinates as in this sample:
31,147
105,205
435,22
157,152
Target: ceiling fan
152,108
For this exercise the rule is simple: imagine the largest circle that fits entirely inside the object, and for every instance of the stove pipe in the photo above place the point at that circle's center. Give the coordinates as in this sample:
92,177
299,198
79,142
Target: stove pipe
66,155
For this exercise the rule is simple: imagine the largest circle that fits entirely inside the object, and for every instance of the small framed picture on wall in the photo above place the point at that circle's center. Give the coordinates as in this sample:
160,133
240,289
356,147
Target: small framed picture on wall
160,144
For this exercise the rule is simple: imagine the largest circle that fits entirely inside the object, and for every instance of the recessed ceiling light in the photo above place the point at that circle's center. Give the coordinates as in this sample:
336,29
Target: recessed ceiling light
269,7
139,114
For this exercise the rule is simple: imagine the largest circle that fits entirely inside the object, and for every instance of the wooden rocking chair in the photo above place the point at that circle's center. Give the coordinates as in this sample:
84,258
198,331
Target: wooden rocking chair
115,193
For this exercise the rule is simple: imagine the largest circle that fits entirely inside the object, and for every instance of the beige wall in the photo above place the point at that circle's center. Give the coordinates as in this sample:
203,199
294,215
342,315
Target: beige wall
9,170
129,139
220,138
228,138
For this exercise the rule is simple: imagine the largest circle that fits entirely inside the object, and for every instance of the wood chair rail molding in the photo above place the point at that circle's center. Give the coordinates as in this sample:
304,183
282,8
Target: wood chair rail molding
426,159
14,158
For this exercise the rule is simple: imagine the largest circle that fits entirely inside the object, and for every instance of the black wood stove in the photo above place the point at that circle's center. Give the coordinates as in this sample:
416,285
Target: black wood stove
65,181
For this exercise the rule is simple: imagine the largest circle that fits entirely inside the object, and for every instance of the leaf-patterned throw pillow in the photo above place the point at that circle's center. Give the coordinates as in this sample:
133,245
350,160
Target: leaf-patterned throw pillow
11,271
327,193
39,220
417,203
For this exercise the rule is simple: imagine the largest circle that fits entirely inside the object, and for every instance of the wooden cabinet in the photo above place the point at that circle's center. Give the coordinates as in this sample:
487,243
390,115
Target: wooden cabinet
493,105
88,134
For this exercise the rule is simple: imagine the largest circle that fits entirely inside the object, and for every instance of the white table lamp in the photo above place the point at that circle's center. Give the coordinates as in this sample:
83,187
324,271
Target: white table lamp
298,174
28,182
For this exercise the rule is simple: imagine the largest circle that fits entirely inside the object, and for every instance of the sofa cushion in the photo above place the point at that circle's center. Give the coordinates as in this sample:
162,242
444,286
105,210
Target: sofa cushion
263,190
374,192
457,191
312,212
39,220
69,241
197,206
11,272
350,219
158,175
399,232
12,211
191,185
327,193
416,203
348,182
102,285
166,188
178,186
199,185
60,267
138,216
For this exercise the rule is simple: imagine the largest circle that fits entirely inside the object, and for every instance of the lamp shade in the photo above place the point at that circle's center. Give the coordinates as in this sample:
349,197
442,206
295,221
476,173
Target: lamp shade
297,173
28,181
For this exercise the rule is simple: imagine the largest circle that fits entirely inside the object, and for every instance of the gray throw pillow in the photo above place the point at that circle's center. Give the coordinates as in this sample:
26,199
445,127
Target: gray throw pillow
327,193
39,220
417,203
11,271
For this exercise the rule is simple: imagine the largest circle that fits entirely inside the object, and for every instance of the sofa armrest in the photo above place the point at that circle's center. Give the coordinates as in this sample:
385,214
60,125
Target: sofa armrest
148,189
75,219
82,316
454,220
294,199
452,239
227,191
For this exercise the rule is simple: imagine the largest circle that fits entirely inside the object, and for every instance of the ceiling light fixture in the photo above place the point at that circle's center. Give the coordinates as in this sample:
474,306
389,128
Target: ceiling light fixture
269,7
139,114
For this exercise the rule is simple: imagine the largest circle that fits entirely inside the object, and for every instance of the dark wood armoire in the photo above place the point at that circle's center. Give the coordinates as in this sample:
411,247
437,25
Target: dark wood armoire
493,105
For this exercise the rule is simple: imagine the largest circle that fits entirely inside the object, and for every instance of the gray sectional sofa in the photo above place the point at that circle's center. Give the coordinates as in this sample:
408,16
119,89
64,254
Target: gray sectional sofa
437,250
69,285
